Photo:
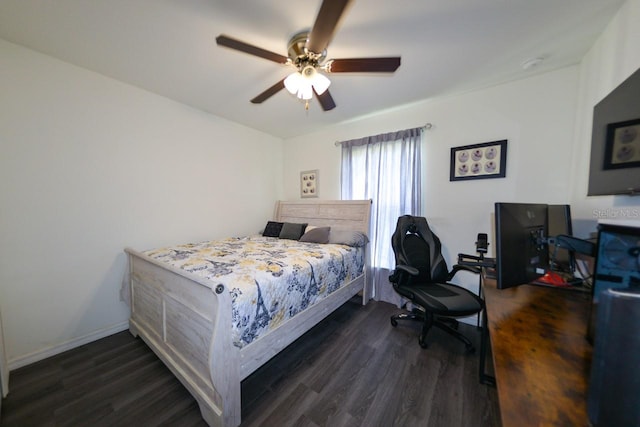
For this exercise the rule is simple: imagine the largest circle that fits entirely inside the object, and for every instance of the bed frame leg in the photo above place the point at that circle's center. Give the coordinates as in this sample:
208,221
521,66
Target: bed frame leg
214,418
133,330
210,416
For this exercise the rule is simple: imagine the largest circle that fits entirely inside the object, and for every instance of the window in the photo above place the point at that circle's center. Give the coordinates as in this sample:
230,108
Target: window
386,169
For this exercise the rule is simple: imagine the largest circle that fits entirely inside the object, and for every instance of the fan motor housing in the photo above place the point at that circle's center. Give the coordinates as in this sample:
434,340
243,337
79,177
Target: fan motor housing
298,53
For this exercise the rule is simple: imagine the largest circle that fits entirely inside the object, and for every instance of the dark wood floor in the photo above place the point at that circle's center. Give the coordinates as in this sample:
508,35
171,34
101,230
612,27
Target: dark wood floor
353,369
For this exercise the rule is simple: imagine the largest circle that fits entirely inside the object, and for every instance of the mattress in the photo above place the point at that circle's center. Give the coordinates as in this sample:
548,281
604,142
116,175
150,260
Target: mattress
270,280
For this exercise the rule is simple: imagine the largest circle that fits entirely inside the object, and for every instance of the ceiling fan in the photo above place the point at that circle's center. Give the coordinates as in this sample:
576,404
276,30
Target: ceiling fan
307,52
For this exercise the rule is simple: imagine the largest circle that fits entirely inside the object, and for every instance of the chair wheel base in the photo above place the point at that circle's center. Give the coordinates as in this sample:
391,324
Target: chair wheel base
446,324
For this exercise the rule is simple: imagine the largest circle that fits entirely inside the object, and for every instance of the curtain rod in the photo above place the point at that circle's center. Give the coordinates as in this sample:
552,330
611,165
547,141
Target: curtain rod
427,126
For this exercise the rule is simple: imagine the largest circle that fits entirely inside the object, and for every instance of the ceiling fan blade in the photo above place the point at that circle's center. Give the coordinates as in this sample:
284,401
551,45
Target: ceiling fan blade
268,93
367,65
326,100
231,43
326,24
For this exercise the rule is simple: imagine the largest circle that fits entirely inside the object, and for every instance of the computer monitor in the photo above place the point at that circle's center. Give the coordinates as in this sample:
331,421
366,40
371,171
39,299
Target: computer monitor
522,254
559,223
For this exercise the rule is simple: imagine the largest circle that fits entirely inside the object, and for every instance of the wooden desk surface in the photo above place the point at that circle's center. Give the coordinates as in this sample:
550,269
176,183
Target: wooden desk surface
541,356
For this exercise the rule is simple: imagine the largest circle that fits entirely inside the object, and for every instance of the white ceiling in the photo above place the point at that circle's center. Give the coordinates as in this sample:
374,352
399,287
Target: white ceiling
168,47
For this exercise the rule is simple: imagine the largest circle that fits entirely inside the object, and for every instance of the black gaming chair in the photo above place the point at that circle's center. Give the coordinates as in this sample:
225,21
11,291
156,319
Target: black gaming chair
421,275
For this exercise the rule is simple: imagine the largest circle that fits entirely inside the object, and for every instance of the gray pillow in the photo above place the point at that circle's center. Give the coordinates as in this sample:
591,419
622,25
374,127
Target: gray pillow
348,237
316,235
292,231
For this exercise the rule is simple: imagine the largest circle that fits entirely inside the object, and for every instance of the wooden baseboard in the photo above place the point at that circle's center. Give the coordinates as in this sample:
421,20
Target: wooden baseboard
36,356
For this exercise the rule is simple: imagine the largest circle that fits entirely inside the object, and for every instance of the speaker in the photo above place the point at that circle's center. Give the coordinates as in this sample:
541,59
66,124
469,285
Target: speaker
615,369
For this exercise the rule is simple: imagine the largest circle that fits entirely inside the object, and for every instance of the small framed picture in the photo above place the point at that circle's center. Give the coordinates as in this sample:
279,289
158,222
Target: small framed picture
479,161
622,146
309,184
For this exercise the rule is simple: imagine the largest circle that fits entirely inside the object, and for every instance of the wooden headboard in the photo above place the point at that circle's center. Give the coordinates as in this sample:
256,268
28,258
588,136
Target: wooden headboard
338,214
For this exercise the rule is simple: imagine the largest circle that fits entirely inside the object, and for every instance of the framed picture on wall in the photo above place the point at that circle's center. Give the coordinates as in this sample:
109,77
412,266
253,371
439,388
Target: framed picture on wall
622,147
479,161
309,184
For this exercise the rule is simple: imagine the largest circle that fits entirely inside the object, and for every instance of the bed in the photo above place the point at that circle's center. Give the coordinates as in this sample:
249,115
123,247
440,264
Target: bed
192,322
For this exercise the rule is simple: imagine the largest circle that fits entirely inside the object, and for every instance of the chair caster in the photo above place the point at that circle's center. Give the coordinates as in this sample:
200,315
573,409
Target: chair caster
394,322
422,341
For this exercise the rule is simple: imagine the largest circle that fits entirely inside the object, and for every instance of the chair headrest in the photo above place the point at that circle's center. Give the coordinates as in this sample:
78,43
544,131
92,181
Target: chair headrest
414,225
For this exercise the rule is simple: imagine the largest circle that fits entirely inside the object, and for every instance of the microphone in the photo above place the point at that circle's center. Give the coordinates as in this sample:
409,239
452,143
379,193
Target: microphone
482,243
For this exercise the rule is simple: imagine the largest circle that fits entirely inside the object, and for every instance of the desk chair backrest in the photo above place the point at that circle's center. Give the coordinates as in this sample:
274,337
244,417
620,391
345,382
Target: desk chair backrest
414,244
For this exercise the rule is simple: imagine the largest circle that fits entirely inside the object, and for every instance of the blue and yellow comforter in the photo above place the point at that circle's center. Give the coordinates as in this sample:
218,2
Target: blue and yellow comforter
270,279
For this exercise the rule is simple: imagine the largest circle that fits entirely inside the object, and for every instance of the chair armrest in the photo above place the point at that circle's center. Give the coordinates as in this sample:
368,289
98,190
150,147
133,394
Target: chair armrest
458,267
400,272
475,261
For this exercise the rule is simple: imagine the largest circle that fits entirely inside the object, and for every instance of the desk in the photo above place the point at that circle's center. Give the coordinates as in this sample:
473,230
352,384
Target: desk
540,353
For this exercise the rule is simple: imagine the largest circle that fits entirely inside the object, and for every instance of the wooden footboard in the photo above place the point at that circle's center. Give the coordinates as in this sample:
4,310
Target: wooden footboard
188,325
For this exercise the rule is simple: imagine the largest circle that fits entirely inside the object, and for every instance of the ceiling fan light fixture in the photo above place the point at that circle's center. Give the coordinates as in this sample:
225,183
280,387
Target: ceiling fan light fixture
305,92
320,83
299,85
303,83
293,82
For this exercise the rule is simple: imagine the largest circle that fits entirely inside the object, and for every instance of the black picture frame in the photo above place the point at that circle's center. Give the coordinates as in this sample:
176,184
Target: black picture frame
622,145
479,161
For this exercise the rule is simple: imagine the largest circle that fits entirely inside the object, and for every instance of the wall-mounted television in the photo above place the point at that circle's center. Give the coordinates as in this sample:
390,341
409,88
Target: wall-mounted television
615,141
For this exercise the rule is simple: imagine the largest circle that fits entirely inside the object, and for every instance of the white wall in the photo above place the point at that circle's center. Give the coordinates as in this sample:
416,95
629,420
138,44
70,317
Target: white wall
89,165
536,116
613,58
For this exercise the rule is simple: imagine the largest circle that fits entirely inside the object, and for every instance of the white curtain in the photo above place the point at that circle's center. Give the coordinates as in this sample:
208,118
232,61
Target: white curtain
386,169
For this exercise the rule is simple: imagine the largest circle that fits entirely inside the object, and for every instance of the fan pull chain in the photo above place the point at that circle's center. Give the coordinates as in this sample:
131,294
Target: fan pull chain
306,105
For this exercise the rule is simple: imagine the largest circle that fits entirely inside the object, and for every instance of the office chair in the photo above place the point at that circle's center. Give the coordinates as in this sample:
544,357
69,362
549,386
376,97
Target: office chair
421,275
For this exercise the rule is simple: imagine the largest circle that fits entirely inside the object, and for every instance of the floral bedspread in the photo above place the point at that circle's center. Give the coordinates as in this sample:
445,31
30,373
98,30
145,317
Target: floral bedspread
270,279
